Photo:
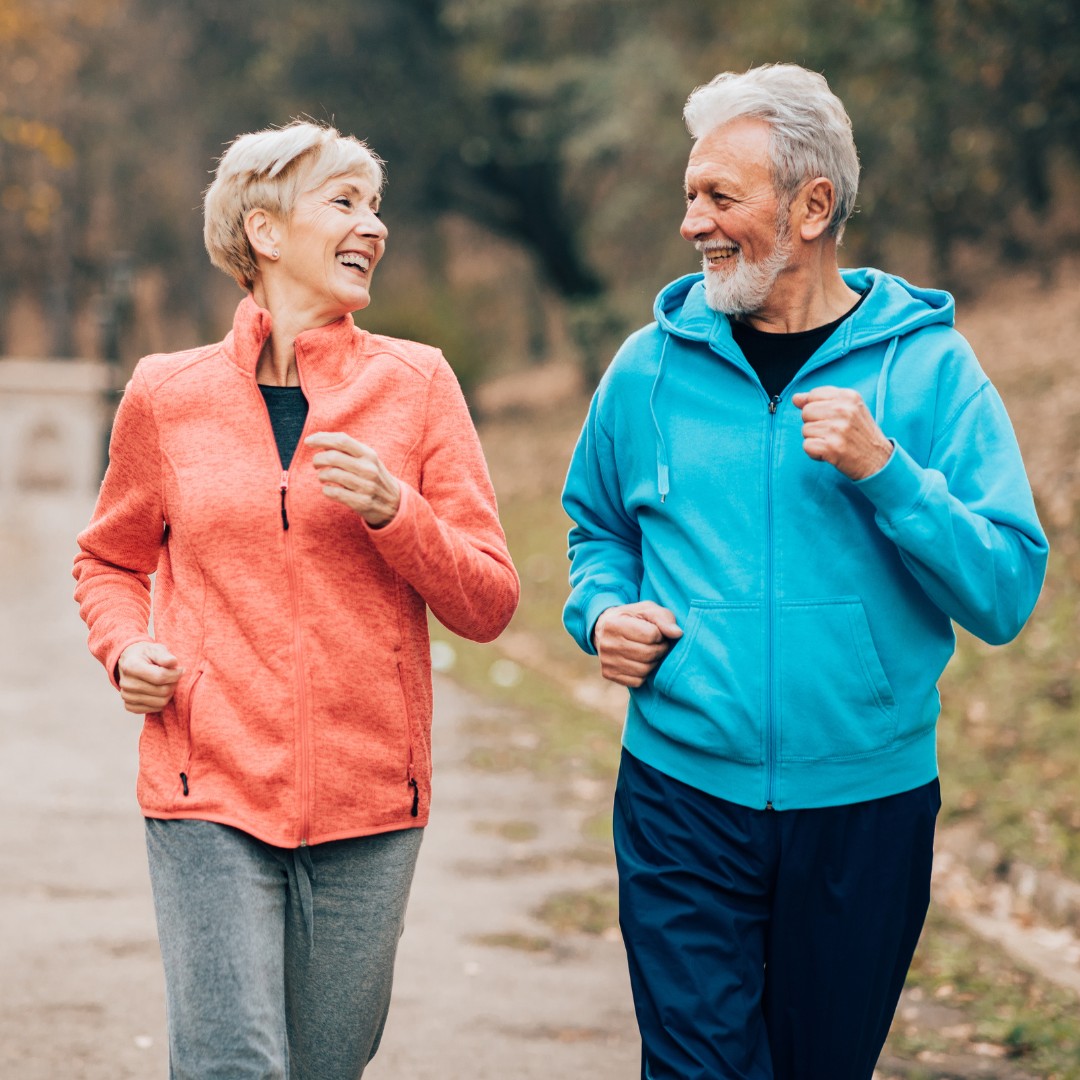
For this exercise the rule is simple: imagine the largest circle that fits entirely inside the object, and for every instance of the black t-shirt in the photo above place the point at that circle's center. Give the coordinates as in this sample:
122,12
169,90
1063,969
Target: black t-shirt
776,358
288,409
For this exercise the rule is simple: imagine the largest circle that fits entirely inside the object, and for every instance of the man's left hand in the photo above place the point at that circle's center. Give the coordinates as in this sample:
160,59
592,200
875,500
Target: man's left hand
838,428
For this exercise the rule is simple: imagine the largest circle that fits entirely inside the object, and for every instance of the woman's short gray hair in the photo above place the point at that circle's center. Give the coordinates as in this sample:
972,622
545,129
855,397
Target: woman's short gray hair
268,170
810,128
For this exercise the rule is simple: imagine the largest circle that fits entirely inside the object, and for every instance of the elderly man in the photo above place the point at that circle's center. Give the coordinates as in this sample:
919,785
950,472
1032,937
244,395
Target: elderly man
786,489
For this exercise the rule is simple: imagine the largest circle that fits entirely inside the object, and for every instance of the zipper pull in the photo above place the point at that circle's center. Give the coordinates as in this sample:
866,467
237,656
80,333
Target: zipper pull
183,782
284,489
773,402
415,797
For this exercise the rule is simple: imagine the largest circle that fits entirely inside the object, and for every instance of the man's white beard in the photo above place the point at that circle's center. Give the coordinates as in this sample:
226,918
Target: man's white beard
744,289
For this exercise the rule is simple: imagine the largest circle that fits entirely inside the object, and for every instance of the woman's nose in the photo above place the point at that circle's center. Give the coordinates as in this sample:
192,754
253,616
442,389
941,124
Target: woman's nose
372,225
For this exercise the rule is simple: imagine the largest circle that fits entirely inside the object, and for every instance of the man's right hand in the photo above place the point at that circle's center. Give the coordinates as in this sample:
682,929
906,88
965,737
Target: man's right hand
148,674
632,639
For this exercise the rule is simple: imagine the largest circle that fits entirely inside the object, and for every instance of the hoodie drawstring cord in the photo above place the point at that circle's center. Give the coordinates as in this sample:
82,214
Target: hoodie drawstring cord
661,447
882,382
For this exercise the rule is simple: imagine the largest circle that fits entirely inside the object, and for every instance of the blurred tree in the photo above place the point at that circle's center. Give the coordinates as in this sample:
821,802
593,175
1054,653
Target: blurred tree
557,126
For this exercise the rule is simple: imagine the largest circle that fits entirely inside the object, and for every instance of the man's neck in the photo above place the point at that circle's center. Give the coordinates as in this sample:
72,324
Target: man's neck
805,296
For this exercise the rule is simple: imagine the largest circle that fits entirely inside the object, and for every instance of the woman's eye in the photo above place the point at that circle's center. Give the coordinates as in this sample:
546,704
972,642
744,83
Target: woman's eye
344,200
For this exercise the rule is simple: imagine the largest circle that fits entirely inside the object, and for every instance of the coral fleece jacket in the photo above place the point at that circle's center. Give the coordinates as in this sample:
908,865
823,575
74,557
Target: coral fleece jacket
304,711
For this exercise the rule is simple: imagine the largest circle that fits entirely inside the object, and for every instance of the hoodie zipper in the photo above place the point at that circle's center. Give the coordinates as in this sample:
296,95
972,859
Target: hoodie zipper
770,600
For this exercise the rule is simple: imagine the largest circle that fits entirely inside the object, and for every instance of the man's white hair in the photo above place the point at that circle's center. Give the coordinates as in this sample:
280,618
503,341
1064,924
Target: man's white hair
810,128
268,170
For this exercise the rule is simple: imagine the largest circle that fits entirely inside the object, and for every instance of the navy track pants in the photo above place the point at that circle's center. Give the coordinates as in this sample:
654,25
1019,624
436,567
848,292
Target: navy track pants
763,944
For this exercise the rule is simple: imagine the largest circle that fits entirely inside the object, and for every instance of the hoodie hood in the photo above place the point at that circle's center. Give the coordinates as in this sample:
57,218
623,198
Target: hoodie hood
893,308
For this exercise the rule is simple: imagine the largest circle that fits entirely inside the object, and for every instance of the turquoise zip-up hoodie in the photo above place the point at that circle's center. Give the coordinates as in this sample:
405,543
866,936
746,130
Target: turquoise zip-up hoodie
816,611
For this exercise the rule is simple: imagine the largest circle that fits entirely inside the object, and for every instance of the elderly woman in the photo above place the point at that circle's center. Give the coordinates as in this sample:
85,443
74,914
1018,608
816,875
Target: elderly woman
304,491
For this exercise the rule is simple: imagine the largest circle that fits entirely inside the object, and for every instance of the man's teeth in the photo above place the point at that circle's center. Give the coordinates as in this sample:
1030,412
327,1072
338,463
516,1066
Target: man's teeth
351,258
718,254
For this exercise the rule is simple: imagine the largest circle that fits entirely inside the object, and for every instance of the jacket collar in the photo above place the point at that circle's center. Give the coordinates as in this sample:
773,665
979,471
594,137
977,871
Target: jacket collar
326,355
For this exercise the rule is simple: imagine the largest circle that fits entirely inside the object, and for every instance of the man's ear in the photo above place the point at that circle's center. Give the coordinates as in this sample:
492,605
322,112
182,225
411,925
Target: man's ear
263,232
813,208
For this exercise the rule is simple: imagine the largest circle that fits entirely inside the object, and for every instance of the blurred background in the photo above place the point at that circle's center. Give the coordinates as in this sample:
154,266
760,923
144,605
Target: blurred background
534,152
534,155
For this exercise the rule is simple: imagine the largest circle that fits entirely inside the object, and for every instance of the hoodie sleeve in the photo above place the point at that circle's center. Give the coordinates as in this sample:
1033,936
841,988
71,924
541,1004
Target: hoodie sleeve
119,549
966,525
605,542
445,539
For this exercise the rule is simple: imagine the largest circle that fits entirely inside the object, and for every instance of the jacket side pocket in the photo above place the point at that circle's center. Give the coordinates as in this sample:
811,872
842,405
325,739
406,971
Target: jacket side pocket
185,711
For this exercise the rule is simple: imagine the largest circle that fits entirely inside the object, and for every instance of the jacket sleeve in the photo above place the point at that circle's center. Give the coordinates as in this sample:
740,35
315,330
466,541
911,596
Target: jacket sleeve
119,549
446,540
966,525
605,541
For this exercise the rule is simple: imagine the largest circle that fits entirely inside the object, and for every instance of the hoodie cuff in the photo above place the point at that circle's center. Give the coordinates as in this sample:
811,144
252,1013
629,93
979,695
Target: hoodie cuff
897,487
593,610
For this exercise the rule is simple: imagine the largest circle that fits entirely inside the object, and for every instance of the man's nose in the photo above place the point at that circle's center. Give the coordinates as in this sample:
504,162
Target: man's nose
695,224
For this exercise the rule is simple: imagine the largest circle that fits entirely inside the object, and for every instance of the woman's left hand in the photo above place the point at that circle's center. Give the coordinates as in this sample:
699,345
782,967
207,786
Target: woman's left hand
352,473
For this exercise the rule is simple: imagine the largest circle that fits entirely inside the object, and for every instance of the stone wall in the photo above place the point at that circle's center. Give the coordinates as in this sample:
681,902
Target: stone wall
54,420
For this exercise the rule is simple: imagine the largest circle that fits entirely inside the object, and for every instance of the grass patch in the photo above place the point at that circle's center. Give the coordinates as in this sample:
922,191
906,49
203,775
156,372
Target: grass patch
587,911
1009,735
517,832
530,943
1000,1010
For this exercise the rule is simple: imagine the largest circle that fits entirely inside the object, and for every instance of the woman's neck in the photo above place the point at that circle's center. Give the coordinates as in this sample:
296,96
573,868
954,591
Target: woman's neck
277,361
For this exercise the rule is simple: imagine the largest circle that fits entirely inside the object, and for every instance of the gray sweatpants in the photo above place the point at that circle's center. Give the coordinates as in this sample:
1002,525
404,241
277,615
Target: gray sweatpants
278,961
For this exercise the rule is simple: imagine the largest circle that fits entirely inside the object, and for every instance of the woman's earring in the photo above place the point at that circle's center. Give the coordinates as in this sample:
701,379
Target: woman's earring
275,254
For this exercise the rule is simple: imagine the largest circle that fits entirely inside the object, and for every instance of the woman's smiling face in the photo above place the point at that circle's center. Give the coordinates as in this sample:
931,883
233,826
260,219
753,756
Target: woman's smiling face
331,244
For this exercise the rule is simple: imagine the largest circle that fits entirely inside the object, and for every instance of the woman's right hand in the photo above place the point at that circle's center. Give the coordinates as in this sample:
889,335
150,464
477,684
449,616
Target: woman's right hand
148,674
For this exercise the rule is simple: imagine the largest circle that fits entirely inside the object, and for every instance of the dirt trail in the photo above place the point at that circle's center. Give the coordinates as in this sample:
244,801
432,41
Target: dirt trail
81,996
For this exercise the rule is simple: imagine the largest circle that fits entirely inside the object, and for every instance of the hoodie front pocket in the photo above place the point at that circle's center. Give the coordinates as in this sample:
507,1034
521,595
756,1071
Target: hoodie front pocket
709,691
835,698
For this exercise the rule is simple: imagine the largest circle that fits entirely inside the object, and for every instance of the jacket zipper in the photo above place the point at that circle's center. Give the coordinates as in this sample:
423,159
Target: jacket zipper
298,644
294,603
770,591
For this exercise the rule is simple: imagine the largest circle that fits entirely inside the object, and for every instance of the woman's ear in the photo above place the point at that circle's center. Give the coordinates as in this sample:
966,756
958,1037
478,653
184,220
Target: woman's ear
263,233
815,204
